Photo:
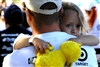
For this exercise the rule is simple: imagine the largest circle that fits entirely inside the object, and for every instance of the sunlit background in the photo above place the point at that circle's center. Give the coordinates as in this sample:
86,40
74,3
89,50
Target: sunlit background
80,3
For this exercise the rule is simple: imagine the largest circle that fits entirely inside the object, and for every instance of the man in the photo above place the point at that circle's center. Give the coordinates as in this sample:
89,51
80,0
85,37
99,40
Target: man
43,18
13,19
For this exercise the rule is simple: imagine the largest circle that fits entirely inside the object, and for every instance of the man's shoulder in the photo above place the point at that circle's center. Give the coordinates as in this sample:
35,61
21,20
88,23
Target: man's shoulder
66,35
56,33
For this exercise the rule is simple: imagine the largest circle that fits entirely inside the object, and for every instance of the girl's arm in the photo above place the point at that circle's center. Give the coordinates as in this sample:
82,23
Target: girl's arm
40,45
23,42
87,40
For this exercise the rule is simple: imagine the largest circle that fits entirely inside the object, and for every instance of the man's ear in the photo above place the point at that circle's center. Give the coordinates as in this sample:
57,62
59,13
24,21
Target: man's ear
28,16
61,12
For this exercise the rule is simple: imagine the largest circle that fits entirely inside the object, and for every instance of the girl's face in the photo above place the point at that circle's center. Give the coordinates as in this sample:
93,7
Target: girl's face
70,23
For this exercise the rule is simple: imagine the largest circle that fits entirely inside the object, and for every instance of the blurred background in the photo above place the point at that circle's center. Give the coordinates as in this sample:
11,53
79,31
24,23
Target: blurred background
82,5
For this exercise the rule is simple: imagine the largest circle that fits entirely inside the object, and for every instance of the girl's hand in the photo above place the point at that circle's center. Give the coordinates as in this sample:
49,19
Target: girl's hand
40,45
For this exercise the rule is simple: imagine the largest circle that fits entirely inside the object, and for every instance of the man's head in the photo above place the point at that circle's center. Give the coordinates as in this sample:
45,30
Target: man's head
42,12
13,15
36,6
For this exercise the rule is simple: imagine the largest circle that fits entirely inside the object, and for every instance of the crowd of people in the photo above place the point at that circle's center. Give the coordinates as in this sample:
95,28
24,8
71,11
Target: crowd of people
39,23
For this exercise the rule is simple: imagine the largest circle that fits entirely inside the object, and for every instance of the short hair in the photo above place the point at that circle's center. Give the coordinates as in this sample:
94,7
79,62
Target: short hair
46,19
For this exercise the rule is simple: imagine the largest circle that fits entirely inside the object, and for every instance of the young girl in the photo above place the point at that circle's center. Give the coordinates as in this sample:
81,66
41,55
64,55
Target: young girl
72,22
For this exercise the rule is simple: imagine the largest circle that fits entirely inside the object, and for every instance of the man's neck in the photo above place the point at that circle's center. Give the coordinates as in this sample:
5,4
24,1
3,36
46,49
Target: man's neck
47,28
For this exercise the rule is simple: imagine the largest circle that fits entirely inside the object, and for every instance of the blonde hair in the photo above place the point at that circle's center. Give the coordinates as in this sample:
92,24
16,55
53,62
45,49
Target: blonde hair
72,6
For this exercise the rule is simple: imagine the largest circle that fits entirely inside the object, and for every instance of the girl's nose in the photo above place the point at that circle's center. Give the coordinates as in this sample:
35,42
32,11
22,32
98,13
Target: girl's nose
74,31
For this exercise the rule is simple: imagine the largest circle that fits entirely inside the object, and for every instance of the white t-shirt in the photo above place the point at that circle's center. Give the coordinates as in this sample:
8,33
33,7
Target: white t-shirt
22,57
87,59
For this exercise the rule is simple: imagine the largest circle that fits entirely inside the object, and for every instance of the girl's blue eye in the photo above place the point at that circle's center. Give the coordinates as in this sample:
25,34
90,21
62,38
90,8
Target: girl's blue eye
68,25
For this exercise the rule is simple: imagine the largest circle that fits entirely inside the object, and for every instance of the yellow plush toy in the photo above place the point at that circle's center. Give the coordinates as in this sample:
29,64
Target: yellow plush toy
68,53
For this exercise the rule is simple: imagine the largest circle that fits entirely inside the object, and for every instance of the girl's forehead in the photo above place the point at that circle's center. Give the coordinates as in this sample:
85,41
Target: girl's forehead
70,11
71,16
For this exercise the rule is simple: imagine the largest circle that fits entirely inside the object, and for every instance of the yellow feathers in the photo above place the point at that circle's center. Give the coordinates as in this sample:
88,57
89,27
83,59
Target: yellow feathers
71,50
68,53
